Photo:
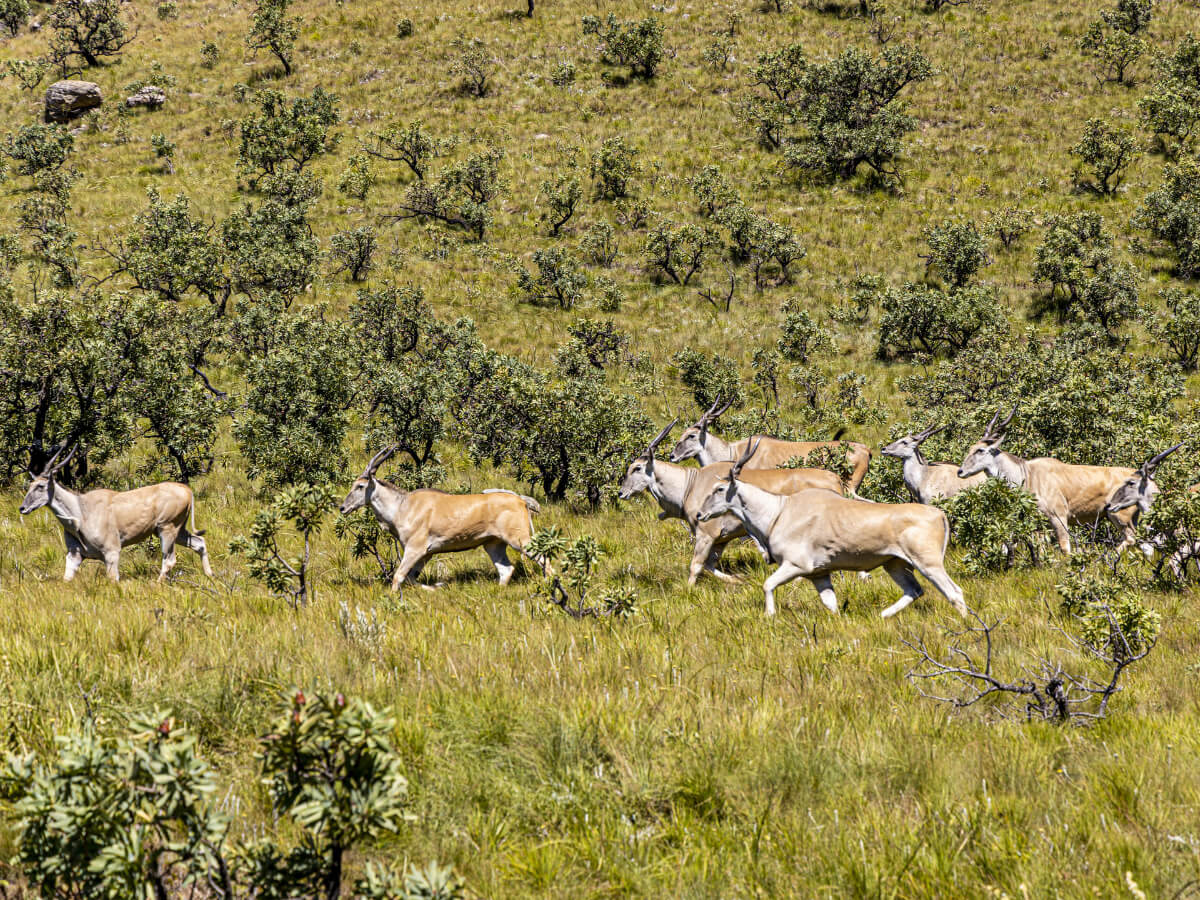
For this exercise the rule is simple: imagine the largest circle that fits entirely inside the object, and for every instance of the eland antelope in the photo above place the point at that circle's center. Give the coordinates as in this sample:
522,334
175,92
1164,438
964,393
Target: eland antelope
698,442
96,525
928,481
680,490
1137,493
427,521
1066,494
814,533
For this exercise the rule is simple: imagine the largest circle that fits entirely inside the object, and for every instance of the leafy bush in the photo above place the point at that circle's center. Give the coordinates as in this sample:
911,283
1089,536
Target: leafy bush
569,583
1113,51
712,190
410,144
462,194
1108,608
164,149
563,74
86,31
636,45
1131,16
1171,213
1178,328
613,166
472,65
274,30
561,193
1104,154
1171,109
305,507
280,133
599,243
13,15
559,281
209,54
271,249
353,251
678,251
39,148
918,319
709,378
404,28
992,523
357,179
957,251
802,338
1009,225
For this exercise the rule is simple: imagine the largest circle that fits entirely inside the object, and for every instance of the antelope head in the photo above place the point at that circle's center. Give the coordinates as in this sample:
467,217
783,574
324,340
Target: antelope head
640,474
692,441
1139,489
724,495
364,485
982,456
41,488
903,448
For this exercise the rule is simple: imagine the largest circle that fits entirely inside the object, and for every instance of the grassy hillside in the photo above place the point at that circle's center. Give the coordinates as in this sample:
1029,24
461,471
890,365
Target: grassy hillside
696,749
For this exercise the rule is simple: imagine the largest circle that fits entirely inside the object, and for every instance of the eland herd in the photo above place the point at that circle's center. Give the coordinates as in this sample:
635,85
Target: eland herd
810,522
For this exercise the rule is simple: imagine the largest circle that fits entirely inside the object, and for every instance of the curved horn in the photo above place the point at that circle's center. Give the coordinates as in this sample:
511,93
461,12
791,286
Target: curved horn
991,425
745,458
48,468
653,445
1150,465
378,459
929,432
55,465
1004,424
710,414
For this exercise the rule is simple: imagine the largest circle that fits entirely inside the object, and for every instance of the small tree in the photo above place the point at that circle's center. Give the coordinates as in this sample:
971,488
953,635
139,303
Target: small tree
1178,328
462,195
636,45
305,506
164,150
561,193
1113,52
357,179
957,251
568,580
678,251
271,249
713,191
13,15
39,148
801,338
1131,16
916,319
1009,225
1171,213
283,136
410,144
274,30
472,64
709,378
559,281
599,243
992,522
86,31
1171,109
1104,154
613,167
353,251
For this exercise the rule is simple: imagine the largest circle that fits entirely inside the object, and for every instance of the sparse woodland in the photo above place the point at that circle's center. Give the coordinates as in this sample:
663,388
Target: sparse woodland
512,244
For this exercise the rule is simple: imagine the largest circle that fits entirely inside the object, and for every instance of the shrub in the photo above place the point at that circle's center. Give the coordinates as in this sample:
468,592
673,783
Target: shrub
1171,213
717,54
271,249
39,148
802,338
636,45
1009,225
678,251
472,65
559,281
1113,51
274,30
918,319
561,193
599,243
613,167
1104,154
709,378
13,15
404,28
992,522
569,583
304,506
164,150
563,74
87,31
462,195
209,54
1178,328
411,145
280,133
957,251
712,190
777,81
1131,16
353,251
357,179
1075,258
28,72
1171,110
167,10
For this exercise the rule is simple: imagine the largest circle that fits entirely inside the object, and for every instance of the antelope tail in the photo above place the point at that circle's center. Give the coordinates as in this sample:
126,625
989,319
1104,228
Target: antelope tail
192,517
837,435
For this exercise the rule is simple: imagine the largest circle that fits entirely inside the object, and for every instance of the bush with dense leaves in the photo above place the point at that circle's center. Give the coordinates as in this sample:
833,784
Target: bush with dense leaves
957,251
613,166
916,319
1171,109
635,45
995,524
272,29
559,279
1104,153
678,251
287,135
1171,213
462,194
86,31
39,148
1113,51
1177,329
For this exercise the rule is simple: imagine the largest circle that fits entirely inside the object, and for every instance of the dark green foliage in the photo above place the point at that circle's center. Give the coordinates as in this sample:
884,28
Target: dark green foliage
462,194
472,65
1108,608
39,148
1171,110
957,251
709,378
712,190
353,251
357,178
274,30
85,31
594,346
849,107
559,280
271,249
13,15
1113,51
1171,213
573,568
995,524
678,251
802,338
1009,225
929,320
304,506
1076,259
410,144
1080,399
404,28
1178,328
636,45
1104,152
293,421
612,167
561,193
280,133
1131,16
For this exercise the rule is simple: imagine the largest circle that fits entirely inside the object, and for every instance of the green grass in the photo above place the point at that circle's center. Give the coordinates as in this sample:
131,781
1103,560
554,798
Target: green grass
697,749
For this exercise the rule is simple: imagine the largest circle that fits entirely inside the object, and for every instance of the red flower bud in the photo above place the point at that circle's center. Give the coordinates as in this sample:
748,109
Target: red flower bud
299,698
339,701
165,728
